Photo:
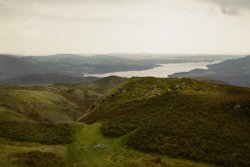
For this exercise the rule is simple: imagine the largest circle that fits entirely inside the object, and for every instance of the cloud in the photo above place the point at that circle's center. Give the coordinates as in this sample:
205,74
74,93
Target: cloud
83,11
231,7
230,11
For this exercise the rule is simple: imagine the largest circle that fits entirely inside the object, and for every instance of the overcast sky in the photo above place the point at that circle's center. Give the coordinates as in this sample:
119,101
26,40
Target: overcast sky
124,26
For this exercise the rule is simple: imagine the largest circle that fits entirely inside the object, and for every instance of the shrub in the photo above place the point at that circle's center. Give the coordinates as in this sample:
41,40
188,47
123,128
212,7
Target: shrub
34,132
117,128
38,159
181,118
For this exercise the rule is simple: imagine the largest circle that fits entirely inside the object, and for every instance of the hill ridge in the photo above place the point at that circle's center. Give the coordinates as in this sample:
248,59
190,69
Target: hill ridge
163,110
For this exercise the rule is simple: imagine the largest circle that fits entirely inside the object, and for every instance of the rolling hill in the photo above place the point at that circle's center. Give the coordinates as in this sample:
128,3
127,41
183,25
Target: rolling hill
181,118
55,103
139,122
38,123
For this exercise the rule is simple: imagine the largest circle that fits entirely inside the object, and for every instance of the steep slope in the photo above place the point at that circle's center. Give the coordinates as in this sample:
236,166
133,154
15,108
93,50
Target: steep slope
182,118
235,71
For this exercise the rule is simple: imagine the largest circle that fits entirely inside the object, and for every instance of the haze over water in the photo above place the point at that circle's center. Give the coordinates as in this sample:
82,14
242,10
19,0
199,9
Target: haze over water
163,71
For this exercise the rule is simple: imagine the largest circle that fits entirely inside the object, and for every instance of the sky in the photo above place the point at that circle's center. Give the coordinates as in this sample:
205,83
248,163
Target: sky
40,27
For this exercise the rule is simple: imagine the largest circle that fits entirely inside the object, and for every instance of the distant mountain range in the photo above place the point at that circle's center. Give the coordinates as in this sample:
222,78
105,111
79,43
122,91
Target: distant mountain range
65,64
235,72
46,79
71,68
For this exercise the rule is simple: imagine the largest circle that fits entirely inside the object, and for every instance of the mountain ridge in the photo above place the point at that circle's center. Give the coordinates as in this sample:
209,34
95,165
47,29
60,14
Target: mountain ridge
46,79
235,72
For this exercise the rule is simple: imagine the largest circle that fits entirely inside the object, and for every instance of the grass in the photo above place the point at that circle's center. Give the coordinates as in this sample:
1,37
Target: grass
29,133
83,152
55,103
38,105
11,116
26,144
181,118
145,121
9,149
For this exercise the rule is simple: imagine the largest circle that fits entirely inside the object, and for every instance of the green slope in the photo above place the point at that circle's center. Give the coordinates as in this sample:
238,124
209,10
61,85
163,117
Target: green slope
38,105
36,123
182,118
9,150
84,152
140,122
56,103
11,116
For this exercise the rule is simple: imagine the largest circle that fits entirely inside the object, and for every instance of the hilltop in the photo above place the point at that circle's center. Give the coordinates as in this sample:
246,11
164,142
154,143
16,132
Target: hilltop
181,118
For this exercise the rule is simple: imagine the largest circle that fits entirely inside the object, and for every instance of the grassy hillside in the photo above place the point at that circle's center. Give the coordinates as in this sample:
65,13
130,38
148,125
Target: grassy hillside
140,122
23,154
88,149
11,116
91,149
38,105
56,103
36,123
182,118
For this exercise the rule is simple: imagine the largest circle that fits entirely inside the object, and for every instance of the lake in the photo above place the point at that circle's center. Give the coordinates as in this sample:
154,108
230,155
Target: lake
162,71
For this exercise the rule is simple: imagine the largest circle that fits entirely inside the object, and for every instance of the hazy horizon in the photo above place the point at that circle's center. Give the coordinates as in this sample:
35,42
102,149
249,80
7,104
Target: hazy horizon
124,55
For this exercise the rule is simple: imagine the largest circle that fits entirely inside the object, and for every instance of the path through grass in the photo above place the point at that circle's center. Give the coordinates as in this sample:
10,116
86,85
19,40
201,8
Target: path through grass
82,153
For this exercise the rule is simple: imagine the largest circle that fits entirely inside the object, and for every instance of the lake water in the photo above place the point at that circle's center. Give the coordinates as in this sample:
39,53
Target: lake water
160,72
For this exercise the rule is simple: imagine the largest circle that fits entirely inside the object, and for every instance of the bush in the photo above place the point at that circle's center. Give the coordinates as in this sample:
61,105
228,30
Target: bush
38,159
181,118
117,128
40,133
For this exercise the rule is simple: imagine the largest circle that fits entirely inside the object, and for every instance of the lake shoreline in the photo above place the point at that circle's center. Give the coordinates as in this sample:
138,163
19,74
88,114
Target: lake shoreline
160,70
